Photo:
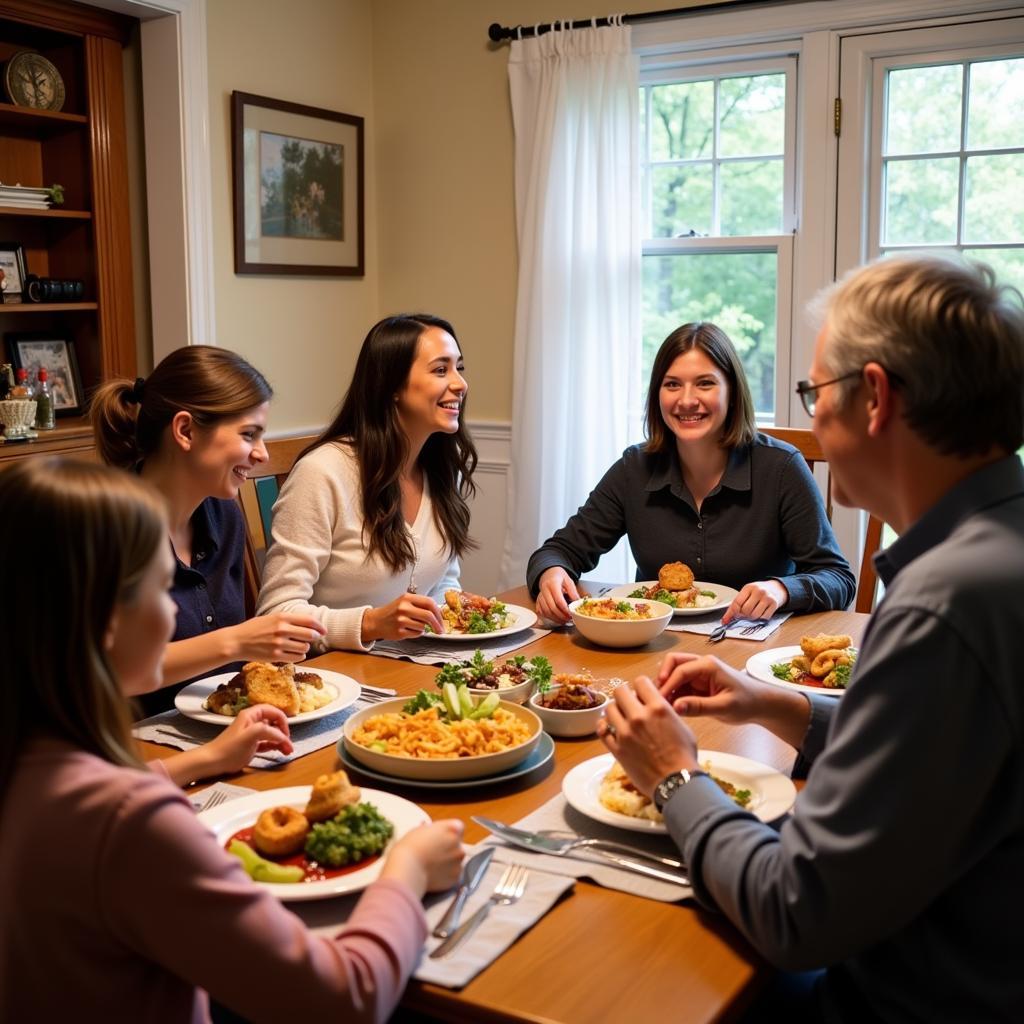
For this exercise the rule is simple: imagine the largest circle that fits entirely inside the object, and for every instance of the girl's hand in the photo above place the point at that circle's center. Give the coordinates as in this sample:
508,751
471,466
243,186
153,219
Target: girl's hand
283,636
557,588
757,601
428,858
405,617
252,731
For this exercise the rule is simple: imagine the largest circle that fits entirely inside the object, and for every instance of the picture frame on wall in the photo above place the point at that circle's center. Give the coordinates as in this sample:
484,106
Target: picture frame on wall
12,272
298,188
57,356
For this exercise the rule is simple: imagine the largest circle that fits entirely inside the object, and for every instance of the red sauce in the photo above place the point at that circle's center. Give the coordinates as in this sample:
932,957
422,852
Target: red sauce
806,679
314,872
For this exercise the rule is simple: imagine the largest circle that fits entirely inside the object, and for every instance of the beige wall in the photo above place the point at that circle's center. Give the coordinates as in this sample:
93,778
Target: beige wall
301,332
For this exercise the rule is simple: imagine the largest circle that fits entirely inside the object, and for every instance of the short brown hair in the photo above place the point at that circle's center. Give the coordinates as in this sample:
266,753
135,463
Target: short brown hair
739,427
210,384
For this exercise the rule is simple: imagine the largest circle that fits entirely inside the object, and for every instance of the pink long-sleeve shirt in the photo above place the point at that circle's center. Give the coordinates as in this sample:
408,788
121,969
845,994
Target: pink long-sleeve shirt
116,903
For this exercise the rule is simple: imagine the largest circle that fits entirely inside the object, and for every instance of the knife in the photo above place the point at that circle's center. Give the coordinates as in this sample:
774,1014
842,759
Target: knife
472,872
560,847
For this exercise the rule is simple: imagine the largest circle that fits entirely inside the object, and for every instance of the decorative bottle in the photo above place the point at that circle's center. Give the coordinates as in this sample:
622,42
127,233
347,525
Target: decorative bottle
44,402
22,389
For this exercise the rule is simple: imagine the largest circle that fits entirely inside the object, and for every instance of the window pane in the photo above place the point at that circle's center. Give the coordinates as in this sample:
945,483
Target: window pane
751,197
994,198
1007,263
923,110
919,198
752,115
681,200
682,120
995,105
734,290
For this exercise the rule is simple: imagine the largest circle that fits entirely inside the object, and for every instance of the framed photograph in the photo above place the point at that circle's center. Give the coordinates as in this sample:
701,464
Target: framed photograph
12,272
298,188
56,356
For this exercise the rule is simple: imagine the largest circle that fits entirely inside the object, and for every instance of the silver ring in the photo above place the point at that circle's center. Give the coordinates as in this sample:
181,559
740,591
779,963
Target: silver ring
610,729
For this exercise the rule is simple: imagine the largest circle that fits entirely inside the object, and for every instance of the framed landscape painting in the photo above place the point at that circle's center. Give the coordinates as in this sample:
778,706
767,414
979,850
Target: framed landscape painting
298,188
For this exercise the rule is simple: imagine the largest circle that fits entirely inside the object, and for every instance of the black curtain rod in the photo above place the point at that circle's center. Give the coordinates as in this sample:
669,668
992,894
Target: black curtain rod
499,33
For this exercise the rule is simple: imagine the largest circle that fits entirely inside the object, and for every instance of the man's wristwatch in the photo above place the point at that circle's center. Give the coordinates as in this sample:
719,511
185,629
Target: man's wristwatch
670,784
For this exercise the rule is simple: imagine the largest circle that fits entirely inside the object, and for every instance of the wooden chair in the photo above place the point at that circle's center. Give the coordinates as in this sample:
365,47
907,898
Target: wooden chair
807,444
257,498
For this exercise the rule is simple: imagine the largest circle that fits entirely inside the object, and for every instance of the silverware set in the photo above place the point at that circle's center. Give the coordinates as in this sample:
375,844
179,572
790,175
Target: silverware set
719,632
509,889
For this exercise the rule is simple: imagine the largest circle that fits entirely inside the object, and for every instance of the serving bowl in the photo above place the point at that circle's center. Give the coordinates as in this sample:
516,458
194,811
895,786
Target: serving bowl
517,694
579,722
440,769
622,632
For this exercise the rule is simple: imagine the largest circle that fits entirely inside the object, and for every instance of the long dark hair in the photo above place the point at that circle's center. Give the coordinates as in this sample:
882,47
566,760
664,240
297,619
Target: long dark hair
739,427
81,537
211,384
368,422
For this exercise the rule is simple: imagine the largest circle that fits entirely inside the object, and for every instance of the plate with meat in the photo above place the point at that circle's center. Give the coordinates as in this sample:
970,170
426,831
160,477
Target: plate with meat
600,789
469,617
676,587
279,834
302,694
820,664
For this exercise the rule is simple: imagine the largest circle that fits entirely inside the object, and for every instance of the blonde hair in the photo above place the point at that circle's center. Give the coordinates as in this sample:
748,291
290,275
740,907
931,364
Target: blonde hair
950,337
211,384
79,537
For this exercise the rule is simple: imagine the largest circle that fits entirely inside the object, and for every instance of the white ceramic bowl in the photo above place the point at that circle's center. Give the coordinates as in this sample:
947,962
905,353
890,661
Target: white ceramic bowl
447,769
517,694
622,632
581,722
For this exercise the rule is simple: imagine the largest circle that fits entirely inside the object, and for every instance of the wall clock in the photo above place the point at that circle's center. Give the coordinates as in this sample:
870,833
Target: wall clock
32,81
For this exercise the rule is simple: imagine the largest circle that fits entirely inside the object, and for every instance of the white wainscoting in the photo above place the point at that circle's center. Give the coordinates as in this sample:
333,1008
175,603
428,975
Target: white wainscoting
480,567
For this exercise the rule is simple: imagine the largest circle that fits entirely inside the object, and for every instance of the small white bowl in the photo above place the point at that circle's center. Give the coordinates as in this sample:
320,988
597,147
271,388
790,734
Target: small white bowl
622,632
517,694
579,722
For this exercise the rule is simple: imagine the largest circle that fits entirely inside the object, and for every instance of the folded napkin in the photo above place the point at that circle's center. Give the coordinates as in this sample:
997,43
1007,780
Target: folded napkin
557,814
425,652
706,624
173,729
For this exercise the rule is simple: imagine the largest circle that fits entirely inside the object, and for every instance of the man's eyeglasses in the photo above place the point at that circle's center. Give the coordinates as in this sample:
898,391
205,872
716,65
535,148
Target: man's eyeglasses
808,391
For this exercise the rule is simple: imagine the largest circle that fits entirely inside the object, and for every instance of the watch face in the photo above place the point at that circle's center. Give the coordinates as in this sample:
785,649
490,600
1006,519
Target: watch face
32,81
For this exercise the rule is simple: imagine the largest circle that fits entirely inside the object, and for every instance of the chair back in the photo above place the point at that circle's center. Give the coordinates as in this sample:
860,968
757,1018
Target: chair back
807,444
257,497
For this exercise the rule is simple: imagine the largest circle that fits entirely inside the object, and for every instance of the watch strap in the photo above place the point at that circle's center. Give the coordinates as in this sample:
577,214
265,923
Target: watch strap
668,785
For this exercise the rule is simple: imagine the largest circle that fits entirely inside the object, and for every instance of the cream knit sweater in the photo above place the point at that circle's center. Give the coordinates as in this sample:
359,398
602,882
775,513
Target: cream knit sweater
317,562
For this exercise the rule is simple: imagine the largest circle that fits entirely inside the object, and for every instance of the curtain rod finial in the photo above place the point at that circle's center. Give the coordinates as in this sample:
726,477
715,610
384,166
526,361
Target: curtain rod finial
496,33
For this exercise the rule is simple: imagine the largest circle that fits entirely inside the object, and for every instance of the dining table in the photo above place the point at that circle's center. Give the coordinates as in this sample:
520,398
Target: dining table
599,954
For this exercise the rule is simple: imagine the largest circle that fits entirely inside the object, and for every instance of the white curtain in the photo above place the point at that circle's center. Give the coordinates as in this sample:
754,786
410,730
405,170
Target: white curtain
575,106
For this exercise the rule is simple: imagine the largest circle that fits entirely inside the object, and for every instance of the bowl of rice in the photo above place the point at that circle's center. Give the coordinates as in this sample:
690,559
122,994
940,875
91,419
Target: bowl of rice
620,621
425,747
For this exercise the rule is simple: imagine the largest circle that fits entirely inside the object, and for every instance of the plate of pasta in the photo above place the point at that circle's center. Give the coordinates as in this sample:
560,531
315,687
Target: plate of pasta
424,746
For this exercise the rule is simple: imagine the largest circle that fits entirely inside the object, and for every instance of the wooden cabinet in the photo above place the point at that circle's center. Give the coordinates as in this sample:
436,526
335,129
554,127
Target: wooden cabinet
81,147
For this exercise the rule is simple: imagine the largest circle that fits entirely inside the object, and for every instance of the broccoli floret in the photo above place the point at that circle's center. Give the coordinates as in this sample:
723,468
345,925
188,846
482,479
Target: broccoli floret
356,832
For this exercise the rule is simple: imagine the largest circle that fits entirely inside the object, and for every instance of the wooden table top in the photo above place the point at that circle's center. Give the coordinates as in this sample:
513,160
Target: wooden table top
600,954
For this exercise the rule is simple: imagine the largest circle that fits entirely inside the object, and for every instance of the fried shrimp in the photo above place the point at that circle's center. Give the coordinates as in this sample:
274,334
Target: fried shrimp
280,831
330,793
826,662
812,646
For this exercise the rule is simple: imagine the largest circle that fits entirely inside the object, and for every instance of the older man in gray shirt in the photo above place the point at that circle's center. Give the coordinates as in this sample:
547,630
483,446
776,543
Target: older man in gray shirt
901,870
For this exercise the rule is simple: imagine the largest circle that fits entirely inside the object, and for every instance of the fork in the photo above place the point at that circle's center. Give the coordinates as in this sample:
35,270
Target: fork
719,632
215,799
510,887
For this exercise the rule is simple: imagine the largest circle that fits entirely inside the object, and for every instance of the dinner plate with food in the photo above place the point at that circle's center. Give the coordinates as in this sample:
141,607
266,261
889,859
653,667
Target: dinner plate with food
676,587
313,842
469,618
302,694
600,789
820,664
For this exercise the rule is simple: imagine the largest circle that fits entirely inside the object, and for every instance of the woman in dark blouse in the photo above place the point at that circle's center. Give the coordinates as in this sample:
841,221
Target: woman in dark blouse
738,507
194,430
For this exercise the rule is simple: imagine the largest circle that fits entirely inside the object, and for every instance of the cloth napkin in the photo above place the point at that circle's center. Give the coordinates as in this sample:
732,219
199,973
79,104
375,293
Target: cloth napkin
706,624
423,652
173,729
557,814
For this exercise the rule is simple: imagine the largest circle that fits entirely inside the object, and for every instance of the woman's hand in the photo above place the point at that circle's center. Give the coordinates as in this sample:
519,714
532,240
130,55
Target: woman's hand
428,858
646,736
557,588
283,636
757,601
405,617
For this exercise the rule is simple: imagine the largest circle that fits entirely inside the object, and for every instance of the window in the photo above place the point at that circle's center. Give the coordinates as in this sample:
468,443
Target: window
717,180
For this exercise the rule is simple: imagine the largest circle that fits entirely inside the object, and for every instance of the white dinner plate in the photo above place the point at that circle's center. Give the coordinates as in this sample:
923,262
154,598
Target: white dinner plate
189,701
522,618
772,794
723,595
227,818
760,667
